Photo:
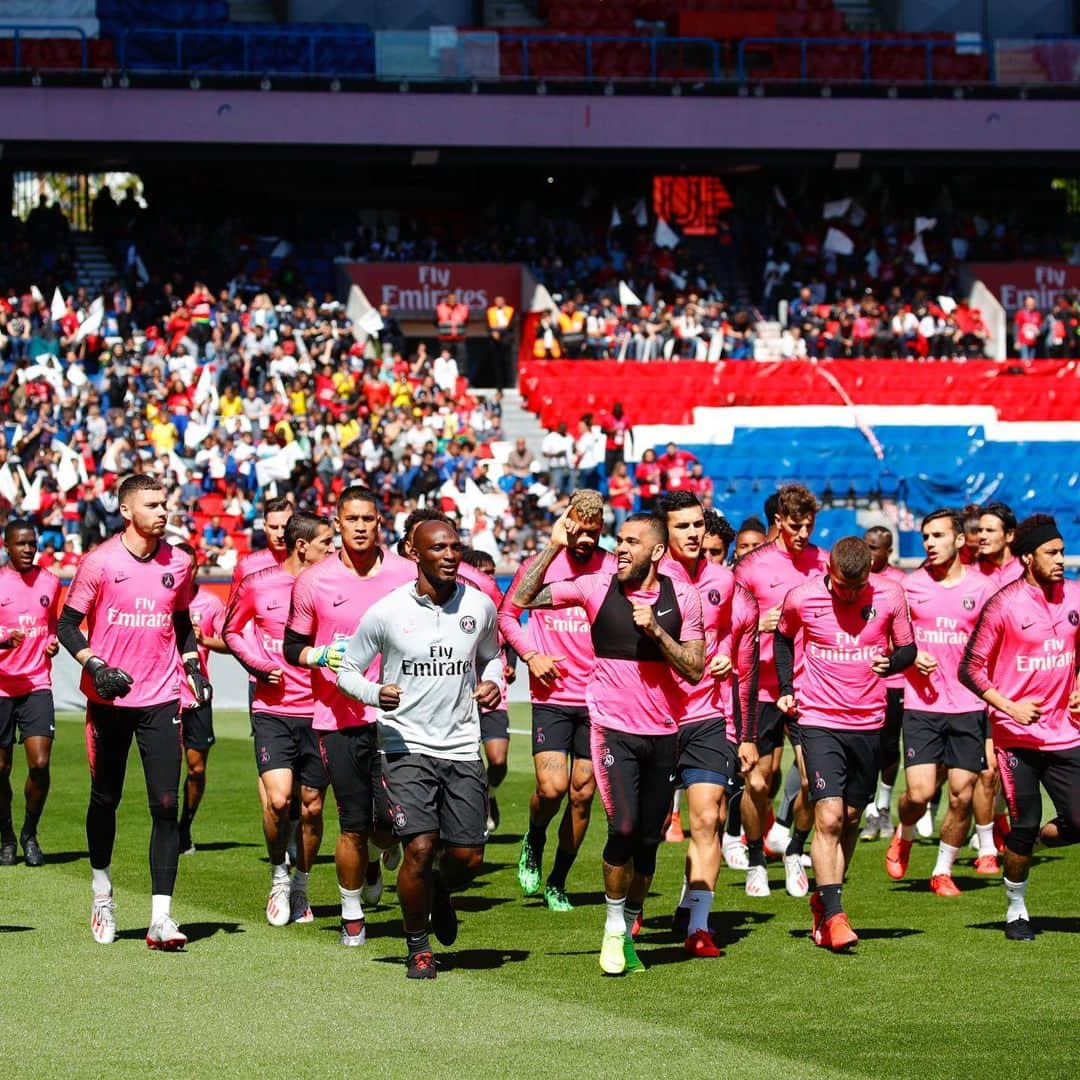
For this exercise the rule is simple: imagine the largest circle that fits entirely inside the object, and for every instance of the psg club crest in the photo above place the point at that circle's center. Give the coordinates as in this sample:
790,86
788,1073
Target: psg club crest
868,612
264,756
400,820
44,602
969,603
168,580
714,597
1074,617
468,624
608,760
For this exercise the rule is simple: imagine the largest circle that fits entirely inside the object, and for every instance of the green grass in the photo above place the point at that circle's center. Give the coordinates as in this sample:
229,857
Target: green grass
933,990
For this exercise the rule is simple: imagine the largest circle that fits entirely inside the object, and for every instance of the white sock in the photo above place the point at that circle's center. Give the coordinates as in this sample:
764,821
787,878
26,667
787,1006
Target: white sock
907,832
986,839
629,918
684,896
946,856
351,907
1016,891
871,809
159,907
101,880
279,872
300,879
884,796
700,906
614,921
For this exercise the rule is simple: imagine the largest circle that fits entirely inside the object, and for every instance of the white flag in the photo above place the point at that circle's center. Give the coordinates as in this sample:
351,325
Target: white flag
641,214
8,490
839,243
664,235
92,323
616,218
31,503
35,292
204,388
924,223
627,296
56,311
835,209
677,280
947,304
918,252
370,322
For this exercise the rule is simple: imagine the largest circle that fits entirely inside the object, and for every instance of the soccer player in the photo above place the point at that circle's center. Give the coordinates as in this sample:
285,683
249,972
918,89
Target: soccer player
644,624
440,652
877,821
970,515
1021,660
848,623
29,600
719,536
751,535
997,528
286,748
944,723
712,745
134,591
769,573
197,719
276,514
558,649
328,601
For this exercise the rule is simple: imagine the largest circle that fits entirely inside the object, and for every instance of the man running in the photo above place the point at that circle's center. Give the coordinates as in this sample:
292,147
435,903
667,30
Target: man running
877,820
769,573
558,649
276,514
134,591
944,723
1021,660
438,641
644,625
707,758
328,600
29,601
197,719
848,623
286,748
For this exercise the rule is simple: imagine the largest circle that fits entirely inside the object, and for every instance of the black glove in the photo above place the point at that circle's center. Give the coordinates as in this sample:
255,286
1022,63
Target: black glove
200,685
109,682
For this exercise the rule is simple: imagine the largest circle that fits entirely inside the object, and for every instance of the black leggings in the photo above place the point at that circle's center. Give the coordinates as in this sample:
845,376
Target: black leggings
156,729
1022,770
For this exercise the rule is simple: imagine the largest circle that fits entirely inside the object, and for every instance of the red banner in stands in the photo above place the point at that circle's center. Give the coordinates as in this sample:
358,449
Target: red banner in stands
1010,282
413,289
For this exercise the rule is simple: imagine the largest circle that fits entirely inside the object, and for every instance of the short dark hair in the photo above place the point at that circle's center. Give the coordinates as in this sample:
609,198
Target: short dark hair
943,513
772,507
970,514
753,524
424,513
15,525
879,530
303,526
358,493
654,521
1003,513
138,482
673,501
718,525
277,505
851,557
477,558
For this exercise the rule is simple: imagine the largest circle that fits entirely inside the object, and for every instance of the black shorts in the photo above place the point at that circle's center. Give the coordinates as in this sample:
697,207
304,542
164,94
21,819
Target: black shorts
197,725
425,794
561,729
890,733
1022,770
287,742
635,776
703,753
771,724
351,759
32,714
841,764
956,740
494,725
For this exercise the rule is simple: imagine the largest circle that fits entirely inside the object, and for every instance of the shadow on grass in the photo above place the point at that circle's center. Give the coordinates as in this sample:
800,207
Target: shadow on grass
874,933
503,838
196,931
964,884
59,857
728,927
14,929
479,903
468,959
223,845
1047,924
393,928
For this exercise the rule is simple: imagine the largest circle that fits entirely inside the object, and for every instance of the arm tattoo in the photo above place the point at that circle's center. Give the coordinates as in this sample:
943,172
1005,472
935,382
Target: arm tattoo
529,593
687,658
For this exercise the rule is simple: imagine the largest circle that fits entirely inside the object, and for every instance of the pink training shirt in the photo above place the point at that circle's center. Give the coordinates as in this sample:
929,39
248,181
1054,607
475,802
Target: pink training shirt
328,602
1024,646
28,602
943,617
252,563
770,572
837,687
129,605
742,646
207,614
262,599
564,632
638,697
893,573
1000,576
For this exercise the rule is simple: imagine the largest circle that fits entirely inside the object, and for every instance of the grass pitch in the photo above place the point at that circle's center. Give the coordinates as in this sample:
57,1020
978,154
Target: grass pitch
933,989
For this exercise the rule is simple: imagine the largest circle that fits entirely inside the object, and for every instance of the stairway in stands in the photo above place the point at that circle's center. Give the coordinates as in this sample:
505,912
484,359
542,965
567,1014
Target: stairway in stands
93,267
518,422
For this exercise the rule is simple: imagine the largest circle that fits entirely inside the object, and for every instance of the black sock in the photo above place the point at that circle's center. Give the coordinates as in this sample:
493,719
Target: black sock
734,815
186,818
418,942
830,899
755,852
797,843
537,837
563,861
7,830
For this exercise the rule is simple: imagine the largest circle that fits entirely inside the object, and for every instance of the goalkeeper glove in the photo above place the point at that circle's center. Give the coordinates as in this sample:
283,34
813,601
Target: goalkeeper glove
329,655
200,685
109,682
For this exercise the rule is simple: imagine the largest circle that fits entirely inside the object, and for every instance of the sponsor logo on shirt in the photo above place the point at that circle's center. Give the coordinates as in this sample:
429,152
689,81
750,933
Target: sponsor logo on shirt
120,577
273,605
144,615
339,601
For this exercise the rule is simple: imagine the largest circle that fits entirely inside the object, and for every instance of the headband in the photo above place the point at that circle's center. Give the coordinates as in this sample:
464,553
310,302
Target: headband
1039,535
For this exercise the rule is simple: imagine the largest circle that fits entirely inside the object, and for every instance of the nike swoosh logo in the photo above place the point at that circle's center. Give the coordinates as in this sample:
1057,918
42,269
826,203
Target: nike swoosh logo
273,606
922,599
773,584
120,577
671,778
667,612
5,602
1025,625
176,719
338,603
